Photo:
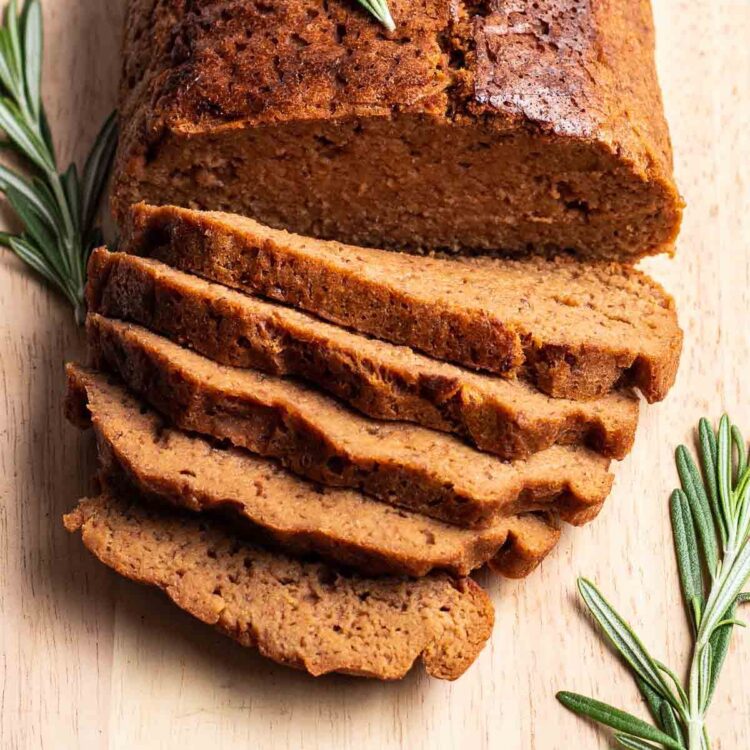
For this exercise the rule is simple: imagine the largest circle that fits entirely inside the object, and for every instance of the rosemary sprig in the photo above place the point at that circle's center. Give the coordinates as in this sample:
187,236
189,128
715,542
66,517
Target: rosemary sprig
379,9
57,210
711,527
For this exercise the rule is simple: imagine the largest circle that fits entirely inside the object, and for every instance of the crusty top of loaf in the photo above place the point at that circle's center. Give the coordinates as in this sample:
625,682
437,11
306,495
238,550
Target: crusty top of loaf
581,68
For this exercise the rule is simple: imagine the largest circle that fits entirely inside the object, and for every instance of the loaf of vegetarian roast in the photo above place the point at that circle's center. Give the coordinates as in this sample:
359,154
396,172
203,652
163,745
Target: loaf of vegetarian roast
373,323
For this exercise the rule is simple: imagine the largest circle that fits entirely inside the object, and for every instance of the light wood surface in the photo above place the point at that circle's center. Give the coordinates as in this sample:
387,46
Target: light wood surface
89,661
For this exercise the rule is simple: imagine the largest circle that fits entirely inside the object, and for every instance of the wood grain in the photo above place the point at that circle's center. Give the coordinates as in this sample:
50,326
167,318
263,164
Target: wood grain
92,662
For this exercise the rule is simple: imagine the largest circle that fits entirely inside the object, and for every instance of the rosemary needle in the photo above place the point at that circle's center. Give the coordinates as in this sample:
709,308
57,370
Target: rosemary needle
379,9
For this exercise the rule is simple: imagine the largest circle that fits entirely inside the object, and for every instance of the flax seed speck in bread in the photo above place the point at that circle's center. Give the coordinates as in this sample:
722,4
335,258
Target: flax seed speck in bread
306,615
507,417
576,329
317,438
477,125
140,452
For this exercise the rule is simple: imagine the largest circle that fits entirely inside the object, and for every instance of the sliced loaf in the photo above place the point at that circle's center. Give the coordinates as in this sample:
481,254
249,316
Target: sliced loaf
306,615
316,437
385,381
576,329
139,452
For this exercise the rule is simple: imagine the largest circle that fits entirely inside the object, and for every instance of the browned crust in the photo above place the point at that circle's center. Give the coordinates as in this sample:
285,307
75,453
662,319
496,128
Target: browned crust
316,438
139,453
581,72
506,417
571,345
301,614
522,552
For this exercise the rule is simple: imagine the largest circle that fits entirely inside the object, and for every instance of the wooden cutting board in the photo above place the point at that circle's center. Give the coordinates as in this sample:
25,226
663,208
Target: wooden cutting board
89,661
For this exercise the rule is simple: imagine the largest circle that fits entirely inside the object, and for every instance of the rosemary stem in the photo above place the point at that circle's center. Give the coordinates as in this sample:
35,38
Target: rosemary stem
80,310
68,237
695,723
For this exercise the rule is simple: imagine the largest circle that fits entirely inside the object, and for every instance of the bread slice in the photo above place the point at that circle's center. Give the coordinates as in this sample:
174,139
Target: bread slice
138,451
529,126
317,438
306,615
385,381
576,330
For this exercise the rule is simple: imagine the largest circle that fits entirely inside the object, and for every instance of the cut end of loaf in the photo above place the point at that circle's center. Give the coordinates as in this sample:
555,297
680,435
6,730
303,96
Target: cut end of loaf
601,209
302,614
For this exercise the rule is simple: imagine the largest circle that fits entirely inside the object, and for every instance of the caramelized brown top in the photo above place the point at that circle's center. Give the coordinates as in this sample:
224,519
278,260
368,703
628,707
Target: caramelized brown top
581,68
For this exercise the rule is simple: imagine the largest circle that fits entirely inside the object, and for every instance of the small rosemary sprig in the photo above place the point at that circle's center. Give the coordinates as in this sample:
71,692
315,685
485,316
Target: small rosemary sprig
711,526
57,210
379,9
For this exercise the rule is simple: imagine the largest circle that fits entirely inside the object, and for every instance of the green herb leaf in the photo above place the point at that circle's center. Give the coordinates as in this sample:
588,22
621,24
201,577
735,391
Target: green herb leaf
653,700
724,470
623,638
739,444
732,585
709,458
72,188
719,642
615,718
8,179
668,722
632,743
31,23
686,549
700,507
96,171
14,39
23,138
36,226
379,9
675,681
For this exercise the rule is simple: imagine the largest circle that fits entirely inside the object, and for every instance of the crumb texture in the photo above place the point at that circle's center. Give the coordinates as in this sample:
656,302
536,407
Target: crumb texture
510,418
317,438
576,329
302,614
140,453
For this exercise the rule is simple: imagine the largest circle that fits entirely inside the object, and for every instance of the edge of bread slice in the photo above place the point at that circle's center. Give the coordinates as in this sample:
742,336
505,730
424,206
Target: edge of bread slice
318,438
306,615
141,452
510,418
576,328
